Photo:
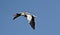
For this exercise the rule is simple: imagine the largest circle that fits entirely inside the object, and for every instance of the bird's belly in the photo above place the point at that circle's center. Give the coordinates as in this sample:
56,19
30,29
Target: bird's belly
29,17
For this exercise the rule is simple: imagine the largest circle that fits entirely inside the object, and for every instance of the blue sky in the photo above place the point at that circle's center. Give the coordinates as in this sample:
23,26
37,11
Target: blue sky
47,20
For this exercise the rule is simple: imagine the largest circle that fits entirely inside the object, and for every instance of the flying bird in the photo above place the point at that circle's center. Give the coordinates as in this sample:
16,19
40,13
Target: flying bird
30,18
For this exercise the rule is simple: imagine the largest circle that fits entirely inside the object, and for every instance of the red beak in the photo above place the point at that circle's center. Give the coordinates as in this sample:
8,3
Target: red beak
14,15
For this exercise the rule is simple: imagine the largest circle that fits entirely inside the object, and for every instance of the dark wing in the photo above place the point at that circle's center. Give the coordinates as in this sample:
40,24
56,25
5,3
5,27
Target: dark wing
32,23
16,16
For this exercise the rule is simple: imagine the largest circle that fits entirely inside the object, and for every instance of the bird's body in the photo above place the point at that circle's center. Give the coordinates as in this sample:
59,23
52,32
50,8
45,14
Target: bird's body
29,17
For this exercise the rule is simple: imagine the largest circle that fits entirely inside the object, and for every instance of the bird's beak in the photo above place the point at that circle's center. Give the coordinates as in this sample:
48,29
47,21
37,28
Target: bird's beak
14,14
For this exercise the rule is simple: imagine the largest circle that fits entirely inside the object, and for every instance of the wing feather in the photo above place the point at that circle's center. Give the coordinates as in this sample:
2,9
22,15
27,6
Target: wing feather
32,23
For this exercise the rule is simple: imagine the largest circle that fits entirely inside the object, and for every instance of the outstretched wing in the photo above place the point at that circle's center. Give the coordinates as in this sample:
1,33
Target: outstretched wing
17,15
32,23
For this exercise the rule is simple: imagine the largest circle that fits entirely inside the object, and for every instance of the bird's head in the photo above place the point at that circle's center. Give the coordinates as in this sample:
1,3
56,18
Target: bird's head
14,14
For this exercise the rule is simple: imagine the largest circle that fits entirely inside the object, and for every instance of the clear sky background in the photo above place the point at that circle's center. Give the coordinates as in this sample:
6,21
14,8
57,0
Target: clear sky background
47,20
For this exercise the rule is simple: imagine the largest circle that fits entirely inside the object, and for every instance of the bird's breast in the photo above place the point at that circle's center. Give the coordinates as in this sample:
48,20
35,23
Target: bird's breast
29,17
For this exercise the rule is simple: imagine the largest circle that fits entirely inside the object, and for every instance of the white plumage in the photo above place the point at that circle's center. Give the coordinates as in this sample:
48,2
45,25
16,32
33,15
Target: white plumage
29,17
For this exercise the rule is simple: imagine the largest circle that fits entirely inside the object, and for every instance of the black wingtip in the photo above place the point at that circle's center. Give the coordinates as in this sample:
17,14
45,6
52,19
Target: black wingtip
13,18
33,28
